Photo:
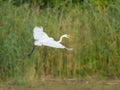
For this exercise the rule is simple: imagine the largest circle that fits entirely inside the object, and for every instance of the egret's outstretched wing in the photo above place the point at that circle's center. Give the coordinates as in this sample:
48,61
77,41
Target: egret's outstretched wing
39,34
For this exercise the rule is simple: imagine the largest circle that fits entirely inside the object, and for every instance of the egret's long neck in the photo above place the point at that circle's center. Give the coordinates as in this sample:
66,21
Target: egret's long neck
61,38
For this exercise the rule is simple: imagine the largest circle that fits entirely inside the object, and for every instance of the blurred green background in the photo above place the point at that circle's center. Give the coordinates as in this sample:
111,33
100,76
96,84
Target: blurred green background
93,24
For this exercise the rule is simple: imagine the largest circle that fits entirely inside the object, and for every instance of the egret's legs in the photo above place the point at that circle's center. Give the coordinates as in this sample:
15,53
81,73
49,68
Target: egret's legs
31,51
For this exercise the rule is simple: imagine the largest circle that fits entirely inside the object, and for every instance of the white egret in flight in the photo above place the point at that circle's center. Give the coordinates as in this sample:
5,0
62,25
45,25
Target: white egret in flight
41,38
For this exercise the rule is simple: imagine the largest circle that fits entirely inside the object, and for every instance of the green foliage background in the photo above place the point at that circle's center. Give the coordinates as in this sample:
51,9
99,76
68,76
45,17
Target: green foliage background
93,24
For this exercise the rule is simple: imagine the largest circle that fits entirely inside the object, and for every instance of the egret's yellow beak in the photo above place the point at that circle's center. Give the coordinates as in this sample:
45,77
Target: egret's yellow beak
69,37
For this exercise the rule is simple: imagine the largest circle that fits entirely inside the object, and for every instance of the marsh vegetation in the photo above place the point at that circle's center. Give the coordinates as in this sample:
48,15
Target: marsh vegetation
95,30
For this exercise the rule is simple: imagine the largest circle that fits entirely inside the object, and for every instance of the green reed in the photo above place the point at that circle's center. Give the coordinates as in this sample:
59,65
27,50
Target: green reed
95,41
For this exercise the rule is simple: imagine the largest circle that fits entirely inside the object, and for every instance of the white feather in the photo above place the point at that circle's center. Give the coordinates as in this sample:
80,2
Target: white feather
41,38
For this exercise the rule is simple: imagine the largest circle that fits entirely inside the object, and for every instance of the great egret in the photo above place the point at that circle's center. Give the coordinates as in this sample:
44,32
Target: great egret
41,38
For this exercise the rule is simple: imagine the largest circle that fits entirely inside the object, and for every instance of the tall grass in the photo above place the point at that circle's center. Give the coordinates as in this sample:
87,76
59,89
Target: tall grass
96,41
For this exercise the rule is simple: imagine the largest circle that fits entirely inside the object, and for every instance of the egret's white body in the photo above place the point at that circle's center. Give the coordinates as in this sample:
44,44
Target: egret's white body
41,38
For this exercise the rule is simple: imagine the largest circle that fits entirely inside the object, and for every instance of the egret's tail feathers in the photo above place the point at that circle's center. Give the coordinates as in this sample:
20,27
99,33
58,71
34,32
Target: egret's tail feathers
69,49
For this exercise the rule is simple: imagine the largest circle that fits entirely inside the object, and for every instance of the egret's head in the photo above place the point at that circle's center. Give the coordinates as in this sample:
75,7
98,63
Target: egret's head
67,36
